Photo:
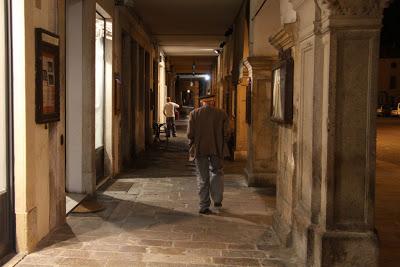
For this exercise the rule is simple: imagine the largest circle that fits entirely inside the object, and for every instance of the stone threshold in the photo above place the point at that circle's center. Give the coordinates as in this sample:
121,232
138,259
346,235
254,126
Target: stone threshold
12,260
73,200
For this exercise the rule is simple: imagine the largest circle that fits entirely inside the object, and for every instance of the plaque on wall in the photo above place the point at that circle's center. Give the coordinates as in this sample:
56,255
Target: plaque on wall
47,97
282,89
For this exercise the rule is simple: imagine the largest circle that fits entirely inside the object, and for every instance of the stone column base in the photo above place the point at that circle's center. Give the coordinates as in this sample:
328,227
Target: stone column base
240,155
282,230
340,248
260,179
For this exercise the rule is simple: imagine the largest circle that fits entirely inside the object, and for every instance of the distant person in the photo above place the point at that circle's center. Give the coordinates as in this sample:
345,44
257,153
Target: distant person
169,113
208,132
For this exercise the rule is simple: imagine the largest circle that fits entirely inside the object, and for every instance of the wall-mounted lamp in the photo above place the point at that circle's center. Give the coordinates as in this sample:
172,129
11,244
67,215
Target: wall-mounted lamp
229,31
194,68
217,51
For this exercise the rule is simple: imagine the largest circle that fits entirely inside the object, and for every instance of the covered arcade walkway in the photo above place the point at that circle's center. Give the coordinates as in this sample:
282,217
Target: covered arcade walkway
151,219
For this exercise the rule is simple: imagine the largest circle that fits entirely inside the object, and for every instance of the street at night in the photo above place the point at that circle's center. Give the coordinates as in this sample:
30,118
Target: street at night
388,190
388,141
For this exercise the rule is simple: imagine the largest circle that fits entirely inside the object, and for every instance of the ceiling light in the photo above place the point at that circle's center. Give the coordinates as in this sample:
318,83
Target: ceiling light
188,91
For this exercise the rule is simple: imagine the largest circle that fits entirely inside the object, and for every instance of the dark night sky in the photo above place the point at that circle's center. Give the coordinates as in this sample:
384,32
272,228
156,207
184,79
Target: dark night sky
390,37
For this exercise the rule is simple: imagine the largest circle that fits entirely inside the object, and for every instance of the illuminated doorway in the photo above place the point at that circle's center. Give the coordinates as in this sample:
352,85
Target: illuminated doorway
103,95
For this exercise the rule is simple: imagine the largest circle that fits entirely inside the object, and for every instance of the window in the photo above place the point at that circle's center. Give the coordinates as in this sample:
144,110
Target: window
393,82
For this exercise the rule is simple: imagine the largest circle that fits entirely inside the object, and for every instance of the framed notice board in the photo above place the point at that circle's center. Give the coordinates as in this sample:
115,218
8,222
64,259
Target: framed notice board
47,97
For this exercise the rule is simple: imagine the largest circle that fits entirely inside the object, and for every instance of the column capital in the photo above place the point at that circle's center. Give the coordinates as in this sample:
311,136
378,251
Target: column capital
285,38
244,77
260,67
367,8
351,14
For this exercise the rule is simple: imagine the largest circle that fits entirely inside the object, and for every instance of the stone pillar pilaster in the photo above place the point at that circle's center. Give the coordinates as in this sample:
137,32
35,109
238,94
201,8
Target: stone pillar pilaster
350,37
241,146
334,212
262,132
283,40
196,94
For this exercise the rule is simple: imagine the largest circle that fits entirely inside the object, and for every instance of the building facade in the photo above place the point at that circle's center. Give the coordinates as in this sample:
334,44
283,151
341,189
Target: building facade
322,169
389,88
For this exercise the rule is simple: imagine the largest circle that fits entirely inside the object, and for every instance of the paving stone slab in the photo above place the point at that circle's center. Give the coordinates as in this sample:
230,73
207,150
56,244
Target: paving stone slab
151,219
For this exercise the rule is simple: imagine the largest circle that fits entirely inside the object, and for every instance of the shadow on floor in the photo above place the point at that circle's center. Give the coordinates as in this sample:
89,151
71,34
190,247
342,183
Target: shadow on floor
151,219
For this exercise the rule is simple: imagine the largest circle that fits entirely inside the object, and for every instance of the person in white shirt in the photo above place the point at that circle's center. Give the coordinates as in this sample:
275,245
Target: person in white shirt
169,113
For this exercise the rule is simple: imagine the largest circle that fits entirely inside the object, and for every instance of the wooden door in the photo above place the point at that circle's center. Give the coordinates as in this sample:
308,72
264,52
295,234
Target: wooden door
128,96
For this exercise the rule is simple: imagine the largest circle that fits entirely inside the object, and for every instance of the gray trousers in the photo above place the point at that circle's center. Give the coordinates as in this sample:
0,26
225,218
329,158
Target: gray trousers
215,185
171,126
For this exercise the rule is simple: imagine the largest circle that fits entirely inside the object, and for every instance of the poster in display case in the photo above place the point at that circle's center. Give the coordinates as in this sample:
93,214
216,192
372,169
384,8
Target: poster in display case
47,77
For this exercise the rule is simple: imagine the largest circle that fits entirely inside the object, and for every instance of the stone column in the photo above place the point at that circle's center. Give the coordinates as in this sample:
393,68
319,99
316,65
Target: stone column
350,36
241,146
196,92
335,193
241,127
262,132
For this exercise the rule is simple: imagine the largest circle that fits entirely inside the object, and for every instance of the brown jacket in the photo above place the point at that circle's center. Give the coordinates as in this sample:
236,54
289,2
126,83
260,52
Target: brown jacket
208,132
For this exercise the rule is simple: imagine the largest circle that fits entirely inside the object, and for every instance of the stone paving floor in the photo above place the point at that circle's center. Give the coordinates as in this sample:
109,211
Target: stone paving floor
151,219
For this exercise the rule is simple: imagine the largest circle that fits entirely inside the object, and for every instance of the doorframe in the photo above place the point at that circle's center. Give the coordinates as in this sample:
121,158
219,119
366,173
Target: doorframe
9,127
103,176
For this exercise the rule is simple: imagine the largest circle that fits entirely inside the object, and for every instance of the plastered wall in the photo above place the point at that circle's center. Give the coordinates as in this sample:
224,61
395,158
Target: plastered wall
39,154
262,24
39,178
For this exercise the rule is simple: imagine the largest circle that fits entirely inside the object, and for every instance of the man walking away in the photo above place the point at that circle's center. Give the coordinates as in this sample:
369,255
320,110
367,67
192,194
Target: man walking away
169,113
208,132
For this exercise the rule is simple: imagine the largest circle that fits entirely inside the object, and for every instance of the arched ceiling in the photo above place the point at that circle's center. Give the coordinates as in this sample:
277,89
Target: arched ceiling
188,27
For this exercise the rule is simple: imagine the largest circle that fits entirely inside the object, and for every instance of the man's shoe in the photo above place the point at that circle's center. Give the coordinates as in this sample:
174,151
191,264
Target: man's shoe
205,211
218,205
